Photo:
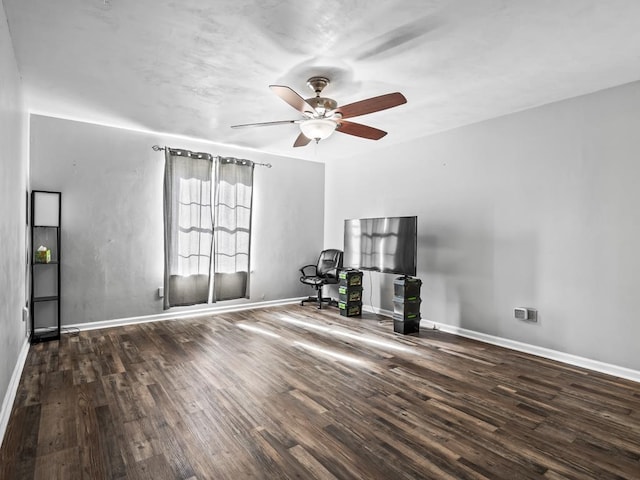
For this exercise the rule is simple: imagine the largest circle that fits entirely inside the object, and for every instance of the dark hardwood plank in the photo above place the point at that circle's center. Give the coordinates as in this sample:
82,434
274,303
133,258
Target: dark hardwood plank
296,392
58,465
91,459
19,461
110,443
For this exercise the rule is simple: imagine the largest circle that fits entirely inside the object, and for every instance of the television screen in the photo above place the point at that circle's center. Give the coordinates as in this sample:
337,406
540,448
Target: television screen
386,245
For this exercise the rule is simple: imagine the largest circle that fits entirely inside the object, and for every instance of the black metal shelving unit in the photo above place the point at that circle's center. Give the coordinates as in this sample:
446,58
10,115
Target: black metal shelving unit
44,306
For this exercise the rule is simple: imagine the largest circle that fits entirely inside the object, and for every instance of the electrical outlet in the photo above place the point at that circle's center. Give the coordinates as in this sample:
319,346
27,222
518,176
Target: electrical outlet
529,314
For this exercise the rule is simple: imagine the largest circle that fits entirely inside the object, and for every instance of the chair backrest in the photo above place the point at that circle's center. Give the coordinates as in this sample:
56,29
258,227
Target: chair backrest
330,259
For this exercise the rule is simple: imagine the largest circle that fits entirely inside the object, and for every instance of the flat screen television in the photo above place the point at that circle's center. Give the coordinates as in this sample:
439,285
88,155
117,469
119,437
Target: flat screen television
387,244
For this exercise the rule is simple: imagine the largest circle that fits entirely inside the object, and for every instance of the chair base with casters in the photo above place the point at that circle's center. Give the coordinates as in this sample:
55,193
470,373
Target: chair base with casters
325,272
319,299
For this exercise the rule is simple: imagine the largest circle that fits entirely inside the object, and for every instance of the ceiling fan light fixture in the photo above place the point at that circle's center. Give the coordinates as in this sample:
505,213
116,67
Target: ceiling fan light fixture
318,128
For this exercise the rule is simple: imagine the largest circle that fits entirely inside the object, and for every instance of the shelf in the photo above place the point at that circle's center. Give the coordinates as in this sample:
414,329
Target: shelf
44,330
50,298
43,335
45,232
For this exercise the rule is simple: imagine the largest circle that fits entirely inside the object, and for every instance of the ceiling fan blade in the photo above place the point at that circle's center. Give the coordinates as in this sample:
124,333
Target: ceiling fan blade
292,98
301,141
370,105
265,124
359,130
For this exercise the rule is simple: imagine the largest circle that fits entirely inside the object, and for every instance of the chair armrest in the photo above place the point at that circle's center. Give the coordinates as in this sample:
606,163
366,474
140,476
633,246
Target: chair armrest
309,271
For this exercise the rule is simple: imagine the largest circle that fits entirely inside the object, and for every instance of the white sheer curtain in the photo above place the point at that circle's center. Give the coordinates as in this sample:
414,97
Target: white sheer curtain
188,227
201,239
233,205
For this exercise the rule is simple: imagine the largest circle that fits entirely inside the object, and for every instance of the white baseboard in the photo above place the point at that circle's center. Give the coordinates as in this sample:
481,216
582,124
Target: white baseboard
548,353
12,389
118,322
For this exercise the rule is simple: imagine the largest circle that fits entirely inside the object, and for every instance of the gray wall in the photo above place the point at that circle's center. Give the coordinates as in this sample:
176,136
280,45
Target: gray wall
111,181
13,187
536,209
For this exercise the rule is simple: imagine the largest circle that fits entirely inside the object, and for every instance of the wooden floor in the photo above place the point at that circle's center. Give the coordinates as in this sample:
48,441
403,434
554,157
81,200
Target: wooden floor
293,392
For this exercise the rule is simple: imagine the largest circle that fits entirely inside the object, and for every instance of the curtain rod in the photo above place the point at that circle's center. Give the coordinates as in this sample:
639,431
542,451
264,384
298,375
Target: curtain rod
157,148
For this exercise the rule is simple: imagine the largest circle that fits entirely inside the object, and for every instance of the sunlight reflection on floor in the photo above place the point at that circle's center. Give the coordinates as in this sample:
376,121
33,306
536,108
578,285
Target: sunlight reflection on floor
333,331
330,353
342,332
253,328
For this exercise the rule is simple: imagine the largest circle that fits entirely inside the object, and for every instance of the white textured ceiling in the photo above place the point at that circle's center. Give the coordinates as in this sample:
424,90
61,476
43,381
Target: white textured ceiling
195,67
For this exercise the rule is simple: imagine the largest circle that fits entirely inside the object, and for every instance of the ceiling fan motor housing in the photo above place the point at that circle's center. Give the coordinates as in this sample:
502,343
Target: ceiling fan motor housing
322,104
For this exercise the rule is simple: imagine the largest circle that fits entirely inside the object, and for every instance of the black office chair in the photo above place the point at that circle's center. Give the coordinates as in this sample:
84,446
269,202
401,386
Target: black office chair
325,272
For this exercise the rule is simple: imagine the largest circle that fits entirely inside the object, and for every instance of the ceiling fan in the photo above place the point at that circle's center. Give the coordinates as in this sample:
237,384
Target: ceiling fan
322,116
